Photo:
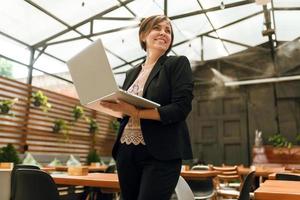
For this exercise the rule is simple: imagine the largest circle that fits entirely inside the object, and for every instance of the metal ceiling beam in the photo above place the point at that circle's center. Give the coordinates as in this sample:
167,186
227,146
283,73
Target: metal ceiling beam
40,53
166,7
56,18
237,43
197,36
69,27
94,34
119,18
43,42
125,6
13,60
226,25
231,5
211,24
14,39
28,46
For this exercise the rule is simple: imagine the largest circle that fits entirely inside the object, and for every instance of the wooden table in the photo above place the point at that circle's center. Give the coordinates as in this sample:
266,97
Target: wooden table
261,171
110,180
198,174
101,180
100,168
274,189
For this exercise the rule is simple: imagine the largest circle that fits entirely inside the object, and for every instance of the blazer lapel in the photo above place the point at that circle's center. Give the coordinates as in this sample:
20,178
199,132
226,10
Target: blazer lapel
154,72
131,77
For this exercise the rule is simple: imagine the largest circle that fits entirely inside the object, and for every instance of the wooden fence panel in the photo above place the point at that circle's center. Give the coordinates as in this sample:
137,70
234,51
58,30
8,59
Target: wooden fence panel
28,127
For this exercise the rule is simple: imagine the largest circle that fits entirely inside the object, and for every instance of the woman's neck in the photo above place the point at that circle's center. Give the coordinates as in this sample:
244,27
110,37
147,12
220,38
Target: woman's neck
152,57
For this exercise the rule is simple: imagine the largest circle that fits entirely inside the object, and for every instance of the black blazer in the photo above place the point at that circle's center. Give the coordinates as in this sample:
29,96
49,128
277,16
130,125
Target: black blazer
170,84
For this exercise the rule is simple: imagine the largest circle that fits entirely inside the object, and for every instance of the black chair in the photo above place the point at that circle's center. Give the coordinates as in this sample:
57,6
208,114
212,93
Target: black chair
32,184
244,194
13,177
110,169
287,177
246,187
204,188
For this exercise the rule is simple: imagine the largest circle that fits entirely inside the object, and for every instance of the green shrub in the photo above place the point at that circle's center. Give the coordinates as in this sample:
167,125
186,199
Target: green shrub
9,154
93,156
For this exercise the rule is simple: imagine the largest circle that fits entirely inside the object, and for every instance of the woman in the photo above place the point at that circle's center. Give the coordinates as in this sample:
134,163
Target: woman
151,143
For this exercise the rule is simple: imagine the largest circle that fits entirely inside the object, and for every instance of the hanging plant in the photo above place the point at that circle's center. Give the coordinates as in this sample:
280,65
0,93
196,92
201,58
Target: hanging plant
61,126
77,112
115,125
93,125
6,105
41,100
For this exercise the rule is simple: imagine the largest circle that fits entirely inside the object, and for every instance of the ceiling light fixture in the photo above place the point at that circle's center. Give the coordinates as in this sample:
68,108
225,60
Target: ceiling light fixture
222,5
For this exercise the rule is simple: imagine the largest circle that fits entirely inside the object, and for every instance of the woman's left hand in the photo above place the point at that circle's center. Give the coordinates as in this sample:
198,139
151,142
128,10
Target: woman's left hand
121,106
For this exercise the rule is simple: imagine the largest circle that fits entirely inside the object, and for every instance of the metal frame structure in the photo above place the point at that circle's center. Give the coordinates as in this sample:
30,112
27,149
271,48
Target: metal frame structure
41,46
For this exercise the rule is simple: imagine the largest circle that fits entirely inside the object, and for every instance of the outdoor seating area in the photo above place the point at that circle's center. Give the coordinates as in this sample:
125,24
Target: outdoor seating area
150,100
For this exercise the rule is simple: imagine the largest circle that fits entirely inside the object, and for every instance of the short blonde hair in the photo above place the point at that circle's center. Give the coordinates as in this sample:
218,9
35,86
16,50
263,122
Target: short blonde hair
147,25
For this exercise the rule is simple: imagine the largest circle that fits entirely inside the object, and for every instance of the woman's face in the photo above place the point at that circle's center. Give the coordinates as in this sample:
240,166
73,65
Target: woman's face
159,38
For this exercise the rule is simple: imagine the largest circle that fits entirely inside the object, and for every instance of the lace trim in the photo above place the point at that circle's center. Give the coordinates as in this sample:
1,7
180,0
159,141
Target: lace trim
132,138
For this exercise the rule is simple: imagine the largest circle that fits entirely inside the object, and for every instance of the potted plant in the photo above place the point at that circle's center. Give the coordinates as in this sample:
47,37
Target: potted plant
41,100
93,125
93,157
278,140
6,105
8,154
60,125
77,112
115,125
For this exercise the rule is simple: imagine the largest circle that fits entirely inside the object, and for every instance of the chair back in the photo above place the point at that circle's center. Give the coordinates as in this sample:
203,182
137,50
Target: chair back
246,187
5,176
183,190
200,167
202,188
13,177
287,177
32,184
110,169
227,174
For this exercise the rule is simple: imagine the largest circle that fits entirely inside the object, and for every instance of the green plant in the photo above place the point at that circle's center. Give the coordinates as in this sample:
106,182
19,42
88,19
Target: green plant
93,125
9,154
61,126
115,125
278,140
93,156
298,138
6,105
41,100
77,112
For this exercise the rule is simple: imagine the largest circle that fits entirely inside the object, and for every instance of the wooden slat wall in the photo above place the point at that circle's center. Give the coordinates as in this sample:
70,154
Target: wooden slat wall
33,127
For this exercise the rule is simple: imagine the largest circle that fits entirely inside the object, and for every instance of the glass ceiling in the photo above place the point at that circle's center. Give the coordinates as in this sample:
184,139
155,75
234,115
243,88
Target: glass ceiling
204,29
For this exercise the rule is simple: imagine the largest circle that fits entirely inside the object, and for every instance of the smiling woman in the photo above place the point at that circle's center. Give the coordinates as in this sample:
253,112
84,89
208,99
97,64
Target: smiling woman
151,143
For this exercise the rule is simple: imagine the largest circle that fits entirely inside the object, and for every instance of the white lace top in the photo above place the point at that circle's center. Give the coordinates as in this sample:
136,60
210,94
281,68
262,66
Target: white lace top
132,133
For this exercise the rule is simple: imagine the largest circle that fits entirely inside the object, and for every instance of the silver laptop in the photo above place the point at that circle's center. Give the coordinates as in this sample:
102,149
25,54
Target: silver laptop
94,80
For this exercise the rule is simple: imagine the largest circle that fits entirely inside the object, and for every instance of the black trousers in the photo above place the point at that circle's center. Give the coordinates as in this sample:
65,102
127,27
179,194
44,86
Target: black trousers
142,177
